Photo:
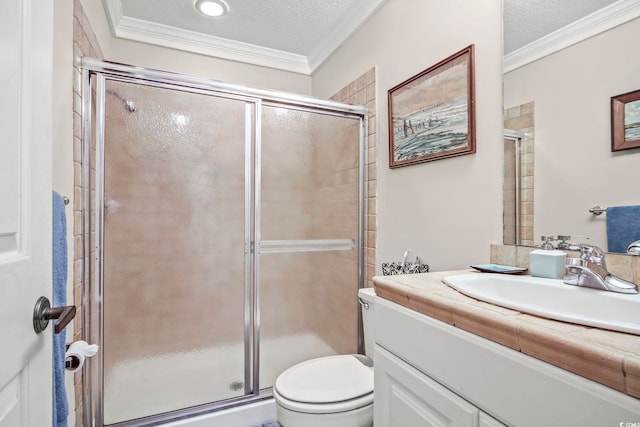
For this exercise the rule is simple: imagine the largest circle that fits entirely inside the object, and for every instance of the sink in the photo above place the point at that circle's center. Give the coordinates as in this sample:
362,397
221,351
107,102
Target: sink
553,299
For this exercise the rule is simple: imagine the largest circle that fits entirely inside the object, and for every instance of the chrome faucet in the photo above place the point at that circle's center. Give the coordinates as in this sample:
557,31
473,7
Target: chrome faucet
590,271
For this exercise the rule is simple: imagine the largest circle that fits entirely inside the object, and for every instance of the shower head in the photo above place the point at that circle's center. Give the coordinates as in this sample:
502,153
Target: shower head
128,104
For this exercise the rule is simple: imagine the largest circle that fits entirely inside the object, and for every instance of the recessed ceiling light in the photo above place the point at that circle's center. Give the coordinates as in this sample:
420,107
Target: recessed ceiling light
213,8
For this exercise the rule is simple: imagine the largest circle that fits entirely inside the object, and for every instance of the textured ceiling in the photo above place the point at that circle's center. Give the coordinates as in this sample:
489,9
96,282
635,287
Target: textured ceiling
527,20
297,35
295,26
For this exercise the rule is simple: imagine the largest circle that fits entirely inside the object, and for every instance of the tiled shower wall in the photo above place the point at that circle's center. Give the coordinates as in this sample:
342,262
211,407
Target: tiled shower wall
84,44
362,91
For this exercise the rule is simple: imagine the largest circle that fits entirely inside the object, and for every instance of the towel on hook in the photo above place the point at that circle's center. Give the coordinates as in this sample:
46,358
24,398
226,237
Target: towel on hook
59,279
623,227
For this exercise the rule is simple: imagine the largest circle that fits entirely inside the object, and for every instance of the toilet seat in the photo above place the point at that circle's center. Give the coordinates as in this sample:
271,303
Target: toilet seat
323,408
326,385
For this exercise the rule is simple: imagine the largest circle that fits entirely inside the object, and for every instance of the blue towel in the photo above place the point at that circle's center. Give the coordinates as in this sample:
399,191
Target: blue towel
623,227
59,261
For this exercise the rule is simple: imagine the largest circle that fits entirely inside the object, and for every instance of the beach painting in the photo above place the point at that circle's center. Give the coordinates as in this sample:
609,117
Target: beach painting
432,114
632,121
625,121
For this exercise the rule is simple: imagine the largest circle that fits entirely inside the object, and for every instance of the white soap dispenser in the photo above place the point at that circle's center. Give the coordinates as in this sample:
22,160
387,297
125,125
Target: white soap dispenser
547,262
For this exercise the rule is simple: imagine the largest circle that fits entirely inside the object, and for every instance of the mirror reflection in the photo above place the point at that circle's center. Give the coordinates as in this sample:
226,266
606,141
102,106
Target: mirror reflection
563,63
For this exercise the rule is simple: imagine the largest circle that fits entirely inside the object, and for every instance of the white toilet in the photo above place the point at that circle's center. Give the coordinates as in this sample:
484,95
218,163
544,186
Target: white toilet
334,391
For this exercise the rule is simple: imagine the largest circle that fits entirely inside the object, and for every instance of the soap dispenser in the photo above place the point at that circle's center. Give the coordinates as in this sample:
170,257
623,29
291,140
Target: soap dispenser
547,262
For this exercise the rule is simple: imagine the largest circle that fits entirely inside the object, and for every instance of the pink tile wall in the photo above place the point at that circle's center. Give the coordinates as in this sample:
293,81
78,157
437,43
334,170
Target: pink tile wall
84,44
362,91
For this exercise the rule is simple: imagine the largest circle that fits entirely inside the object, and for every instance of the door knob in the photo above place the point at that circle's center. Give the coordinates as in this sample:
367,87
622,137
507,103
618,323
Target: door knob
42,313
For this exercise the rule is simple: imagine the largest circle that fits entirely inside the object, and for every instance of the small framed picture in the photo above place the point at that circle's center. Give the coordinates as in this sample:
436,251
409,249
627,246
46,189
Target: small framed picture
625,121
432,114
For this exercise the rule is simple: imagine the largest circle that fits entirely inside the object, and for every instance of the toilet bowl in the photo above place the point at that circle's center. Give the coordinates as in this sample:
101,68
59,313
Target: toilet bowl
334,391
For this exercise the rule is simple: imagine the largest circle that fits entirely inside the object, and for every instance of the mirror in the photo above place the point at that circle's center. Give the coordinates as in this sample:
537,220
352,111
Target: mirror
557,95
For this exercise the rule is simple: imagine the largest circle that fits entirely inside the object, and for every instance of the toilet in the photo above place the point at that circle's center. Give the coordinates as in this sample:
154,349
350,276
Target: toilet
334,391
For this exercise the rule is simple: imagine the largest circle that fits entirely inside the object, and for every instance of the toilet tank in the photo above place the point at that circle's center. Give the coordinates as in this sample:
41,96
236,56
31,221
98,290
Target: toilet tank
367,298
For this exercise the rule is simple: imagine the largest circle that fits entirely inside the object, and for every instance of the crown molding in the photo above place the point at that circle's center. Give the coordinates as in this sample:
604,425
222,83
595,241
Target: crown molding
191,41
350,22
591,25
114,13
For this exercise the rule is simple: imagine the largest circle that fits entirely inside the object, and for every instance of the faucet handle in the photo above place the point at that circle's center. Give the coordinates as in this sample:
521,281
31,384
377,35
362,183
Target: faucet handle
547,242
565,244
592,254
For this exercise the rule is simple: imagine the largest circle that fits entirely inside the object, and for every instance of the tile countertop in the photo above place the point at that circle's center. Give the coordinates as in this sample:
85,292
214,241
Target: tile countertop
610,358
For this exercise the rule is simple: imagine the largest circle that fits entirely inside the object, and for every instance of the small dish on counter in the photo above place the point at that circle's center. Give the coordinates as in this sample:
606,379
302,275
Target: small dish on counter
501,269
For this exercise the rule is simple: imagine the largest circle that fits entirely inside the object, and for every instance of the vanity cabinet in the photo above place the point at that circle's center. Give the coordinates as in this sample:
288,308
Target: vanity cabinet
430,373
406,397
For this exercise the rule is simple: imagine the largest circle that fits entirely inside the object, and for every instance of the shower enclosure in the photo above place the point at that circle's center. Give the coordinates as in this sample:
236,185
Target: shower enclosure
512,188
223,235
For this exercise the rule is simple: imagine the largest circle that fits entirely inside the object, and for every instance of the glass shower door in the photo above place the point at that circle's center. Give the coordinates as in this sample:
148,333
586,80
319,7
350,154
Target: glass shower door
308,237
175,234
511,191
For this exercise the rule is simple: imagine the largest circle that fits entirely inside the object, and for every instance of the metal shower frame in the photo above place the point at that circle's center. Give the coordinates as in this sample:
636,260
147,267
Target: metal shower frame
101,71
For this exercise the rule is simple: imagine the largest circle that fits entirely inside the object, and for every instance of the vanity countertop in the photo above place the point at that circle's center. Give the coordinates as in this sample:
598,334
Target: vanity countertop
607,357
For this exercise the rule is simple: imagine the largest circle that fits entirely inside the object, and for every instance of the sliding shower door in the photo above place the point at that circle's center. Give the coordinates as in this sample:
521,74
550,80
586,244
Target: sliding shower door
222,235
173,250
309,225
512,190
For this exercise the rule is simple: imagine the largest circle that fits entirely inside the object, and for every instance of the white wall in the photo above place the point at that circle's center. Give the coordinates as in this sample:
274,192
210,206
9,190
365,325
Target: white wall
574,166
448,211
146,55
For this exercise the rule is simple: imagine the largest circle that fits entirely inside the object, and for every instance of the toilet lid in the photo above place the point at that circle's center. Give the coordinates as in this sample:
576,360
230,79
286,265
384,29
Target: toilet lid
326,380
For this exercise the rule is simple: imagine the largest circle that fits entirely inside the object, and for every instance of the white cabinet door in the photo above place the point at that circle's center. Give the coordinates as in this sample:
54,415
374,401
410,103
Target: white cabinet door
406,397
26,32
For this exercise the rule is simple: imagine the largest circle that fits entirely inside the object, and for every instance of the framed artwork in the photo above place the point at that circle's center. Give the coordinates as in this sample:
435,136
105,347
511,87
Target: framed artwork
432,114
625,121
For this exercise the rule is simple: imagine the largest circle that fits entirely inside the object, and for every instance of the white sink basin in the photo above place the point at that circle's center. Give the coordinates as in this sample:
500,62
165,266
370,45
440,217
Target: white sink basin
553,299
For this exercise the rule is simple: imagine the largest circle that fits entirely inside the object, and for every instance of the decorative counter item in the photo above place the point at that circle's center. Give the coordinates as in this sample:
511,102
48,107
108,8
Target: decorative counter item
547,263
497,268
404,267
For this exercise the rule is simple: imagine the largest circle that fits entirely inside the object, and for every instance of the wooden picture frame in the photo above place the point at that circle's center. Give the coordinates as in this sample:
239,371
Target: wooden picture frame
625,121
432,114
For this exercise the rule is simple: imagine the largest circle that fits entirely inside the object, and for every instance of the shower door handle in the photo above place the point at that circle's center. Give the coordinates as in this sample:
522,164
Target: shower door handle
42,313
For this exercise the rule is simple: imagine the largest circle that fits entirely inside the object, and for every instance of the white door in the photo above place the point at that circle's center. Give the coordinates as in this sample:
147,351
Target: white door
25,209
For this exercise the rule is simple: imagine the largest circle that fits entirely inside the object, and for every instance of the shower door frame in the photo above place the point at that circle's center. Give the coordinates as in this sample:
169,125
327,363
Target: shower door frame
515,137
254,100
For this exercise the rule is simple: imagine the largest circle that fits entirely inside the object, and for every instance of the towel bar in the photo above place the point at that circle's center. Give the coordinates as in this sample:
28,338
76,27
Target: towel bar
597,210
